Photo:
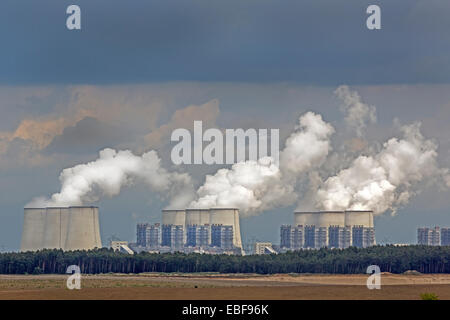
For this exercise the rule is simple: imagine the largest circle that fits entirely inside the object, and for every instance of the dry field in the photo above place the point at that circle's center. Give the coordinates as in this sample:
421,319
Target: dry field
223,286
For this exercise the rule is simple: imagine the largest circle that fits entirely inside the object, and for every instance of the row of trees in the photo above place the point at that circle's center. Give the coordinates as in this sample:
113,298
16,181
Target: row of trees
425,259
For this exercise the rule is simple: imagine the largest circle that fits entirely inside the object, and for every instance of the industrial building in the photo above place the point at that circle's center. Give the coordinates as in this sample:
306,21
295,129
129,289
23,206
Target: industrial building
66,228
121,246
148,235
445,236
214,230
433,236
264,248
333,229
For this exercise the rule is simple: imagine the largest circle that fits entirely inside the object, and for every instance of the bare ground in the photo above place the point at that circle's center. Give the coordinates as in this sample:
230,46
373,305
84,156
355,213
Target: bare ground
223,286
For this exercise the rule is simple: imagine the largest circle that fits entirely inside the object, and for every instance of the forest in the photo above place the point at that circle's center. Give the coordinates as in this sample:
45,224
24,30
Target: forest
394,259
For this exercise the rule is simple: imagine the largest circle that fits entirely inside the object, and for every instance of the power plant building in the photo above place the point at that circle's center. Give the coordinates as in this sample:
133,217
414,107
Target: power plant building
66,228
445,236
198,236
214,230
172,236
222,237
333,229
148,235
429,236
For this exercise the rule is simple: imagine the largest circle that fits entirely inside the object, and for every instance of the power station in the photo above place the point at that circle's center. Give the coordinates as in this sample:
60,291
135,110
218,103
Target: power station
214,230
333,229
66,228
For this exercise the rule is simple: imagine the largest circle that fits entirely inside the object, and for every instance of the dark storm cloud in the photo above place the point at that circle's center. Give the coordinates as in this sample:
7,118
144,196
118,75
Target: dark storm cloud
88,136
314,41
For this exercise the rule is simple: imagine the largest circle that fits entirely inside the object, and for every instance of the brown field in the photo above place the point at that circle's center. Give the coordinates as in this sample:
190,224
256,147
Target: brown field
223,287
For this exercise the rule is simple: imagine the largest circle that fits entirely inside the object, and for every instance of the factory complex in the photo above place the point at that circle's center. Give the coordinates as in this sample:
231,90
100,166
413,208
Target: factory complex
201,230
214,230
332,229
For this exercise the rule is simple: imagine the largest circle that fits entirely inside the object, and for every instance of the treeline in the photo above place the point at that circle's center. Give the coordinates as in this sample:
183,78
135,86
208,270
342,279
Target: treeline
425,259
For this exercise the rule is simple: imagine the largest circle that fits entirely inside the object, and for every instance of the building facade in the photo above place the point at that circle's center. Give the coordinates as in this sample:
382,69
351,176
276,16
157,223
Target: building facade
429,236
222,236
148,235
313,237
445,236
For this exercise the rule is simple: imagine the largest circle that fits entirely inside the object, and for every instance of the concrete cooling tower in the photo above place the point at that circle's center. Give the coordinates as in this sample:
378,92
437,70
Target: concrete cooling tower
228,217
175,217
83,230
320,219
67,228
359,218
335,218
199,217
33,229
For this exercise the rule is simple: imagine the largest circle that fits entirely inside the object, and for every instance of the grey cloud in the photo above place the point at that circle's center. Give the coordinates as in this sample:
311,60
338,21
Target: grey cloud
87,136
313,41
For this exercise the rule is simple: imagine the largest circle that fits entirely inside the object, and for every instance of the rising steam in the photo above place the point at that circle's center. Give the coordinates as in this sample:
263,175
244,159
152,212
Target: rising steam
255,186
113,170
378,181
384,181
357,113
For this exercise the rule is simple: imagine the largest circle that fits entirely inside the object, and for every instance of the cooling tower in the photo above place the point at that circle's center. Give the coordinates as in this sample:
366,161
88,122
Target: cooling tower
320,218
359,218
175,217
55,230
33,229
83,231
61,228
227,217
197,217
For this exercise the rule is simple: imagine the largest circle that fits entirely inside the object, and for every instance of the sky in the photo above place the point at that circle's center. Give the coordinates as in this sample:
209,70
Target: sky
138,70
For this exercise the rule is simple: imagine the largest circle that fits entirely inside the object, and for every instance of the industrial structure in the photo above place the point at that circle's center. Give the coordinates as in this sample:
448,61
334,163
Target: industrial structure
121,246
333,229
264,248
214,230
433,236
148,235
66,228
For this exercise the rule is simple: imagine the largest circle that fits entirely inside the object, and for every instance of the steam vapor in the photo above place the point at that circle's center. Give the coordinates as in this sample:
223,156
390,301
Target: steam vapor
378,180
384,181
254,186
113,170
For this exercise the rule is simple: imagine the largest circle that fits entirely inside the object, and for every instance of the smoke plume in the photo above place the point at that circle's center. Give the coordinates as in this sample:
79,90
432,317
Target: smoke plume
86,183
357,114
254,186
384,181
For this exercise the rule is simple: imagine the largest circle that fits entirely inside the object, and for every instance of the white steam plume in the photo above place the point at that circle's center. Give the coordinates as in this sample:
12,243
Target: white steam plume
254,186
86,183
308,146
357,113
244,186
384,181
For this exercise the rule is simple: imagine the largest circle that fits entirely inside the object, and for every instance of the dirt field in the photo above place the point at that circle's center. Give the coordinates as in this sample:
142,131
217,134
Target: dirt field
223,286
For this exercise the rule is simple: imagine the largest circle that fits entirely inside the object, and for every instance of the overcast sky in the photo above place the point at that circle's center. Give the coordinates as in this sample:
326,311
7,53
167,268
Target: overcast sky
139,69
